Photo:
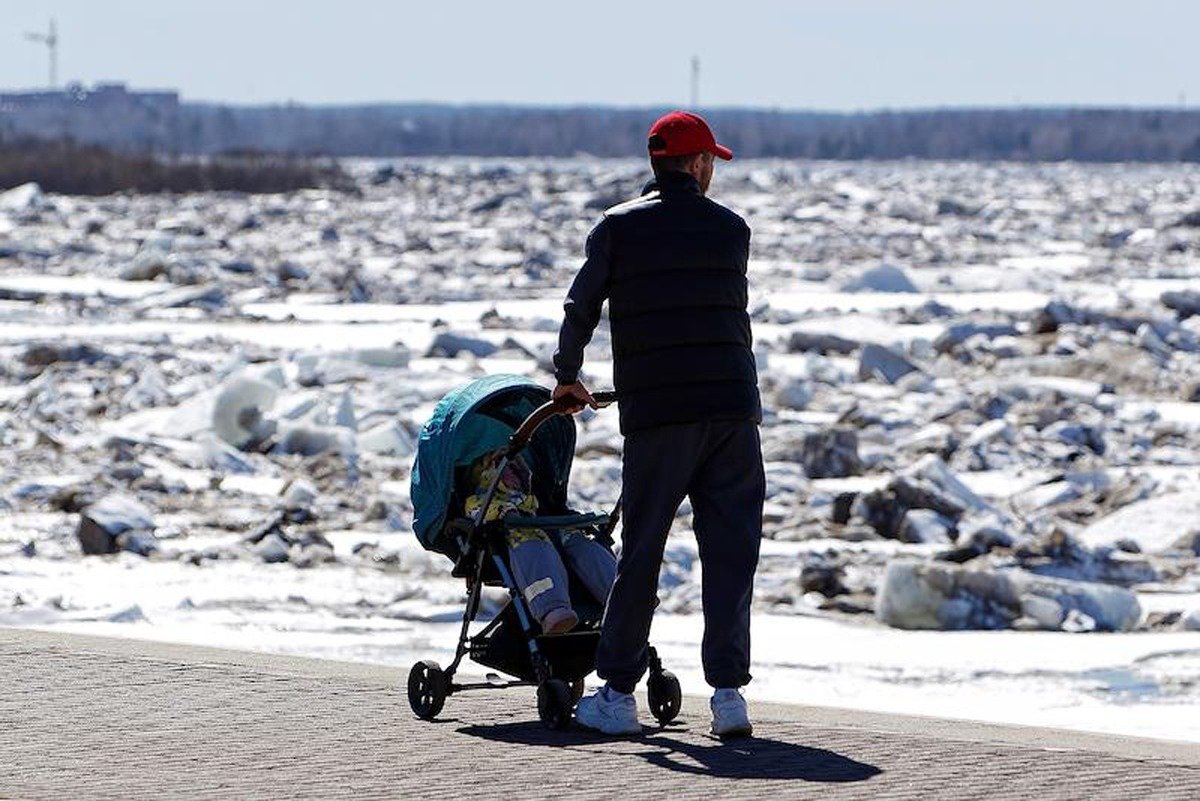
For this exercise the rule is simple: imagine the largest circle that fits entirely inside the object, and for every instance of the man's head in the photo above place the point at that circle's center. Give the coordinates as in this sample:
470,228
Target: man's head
683,142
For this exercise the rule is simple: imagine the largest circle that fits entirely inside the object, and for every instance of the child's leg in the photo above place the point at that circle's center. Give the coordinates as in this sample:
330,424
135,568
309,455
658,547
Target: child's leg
539,572
594,564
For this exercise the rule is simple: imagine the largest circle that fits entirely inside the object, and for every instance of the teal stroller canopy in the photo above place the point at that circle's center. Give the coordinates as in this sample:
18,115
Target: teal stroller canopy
475,419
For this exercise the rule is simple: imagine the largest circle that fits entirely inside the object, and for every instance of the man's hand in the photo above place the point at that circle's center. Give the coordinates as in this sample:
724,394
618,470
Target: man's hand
576,392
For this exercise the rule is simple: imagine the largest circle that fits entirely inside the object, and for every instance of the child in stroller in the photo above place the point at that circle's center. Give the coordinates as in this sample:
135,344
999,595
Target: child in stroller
476,432
536,555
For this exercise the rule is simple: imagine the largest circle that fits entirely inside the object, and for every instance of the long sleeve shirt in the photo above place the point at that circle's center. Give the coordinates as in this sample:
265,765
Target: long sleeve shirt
583,304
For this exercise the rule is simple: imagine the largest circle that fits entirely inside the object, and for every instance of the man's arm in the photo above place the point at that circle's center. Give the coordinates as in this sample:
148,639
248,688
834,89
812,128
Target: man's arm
582,306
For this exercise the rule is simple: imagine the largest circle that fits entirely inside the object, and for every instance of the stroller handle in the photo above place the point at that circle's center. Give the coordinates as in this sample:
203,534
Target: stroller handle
524,432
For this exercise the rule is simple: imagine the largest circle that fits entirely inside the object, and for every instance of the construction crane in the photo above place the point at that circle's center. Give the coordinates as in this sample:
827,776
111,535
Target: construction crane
50,40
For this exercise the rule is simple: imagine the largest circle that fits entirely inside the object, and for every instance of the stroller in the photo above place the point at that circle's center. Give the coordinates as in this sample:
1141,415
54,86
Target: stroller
513,414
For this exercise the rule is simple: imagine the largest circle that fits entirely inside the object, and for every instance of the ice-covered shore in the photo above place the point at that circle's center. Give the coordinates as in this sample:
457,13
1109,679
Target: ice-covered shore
990,372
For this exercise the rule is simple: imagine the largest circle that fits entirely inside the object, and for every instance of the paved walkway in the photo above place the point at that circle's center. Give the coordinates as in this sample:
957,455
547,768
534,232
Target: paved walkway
86,717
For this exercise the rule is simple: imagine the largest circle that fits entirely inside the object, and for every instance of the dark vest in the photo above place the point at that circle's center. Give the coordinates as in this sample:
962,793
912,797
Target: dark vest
682,349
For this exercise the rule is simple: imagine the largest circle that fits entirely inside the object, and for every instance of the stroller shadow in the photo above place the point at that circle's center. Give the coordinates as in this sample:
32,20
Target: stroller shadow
743,758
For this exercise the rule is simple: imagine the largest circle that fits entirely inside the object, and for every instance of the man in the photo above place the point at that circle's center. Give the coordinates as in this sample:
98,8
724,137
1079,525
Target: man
672,266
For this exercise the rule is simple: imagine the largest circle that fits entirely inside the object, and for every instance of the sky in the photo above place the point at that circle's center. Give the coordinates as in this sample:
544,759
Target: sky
839,55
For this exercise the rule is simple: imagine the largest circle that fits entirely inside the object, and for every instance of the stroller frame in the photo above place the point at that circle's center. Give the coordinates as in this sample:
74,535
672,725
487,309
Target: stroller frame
552,668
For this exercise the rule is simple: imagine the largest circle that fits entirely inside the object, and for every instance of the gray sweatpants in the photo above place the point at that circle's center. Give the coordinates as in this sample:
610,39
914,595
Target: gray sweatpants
542,577
718,465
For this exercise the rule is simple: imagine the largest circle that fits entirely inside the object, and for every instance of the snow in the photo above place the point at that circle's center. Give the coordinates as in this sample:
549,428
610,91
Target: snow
336,335
1157,524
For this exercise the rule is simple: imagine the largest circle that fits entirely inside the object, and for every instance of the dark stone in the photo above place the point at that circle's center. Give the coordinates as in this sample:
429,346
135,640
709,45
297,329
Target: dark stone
881,510
806,342
94,539
43,354
1189,220
822,577
842,503
1185,302
832,453
959,333
884,364
949,207
916,494
238,267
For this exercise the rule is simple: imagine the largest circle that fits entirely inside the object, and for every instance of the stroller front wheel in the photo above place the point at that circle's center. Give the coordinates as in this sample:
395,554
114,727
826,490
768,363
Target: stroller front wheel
665,696
556,704
426,689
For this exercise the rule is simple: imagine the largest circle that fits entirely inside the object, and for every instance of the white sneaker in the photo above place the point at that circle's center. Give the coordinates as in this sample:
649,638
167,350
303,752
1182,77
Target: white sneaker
608,711
730,718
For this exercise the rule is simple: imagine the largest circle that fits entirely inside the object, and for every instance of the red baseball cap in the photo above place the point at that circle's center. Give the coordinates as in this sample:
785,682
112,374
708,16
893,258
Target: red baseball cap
681,133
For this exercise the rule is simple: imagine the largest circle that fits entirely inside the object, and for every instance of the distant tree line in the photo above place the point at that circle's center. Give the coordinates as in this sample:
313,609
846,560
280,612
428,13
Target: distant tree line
426,130
70,168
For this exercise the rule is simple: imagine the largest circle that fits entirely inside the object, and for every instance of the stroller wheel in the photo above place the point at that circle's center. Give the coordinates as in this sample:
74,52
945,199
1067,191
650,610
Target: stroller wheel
555,704
426,689
665,696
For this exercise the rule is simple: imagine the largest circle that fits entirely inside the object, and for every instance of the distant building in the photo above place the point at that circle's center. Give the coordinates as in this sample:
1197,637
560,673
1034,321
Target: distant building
107,114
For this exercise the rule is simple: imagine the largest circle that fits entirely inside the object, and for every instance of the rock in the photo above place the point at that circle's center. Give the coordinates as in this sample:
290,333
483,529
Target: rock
25,197
299,495
1188,543
43,354
273,548
1184,302
925,525
1189,220
843,502
886,510
132,614
920,595
949,207
881,278
238,267
794,393
116,522
344,416
932,469
918,493
1150,341
239,410
397,356
985,433
883,364
1083,436
881,510
207,296
448,344
832,453
1075,622
1045,612
146,266
821,576
983,532
310,440
1156,524
387,439
289,272
809,342
959,333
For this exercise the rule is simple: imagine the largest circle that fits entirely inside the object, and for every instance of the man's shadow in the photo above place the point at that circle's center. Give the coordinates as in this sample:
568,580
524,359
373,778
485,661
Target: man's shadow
742,758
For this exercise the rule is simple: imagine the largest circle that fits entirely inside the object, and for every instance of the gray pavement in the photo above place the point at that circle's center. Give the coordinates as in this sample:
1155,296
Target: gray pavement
87,717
